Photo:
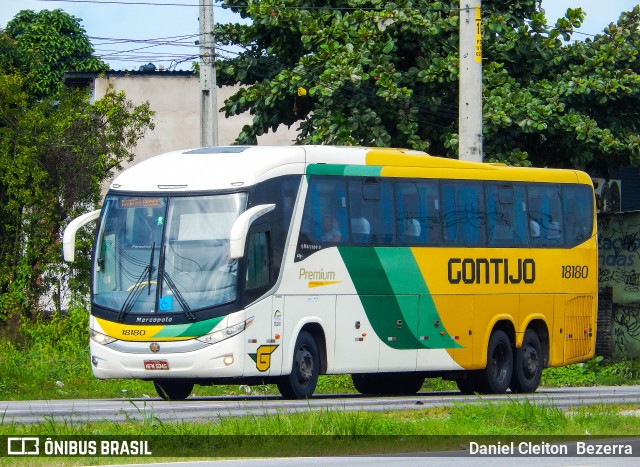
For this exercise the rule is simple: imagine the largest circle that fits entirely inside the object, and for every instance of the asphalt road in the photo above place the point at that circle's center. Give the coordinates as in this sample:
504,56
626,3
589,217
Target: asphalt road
207,408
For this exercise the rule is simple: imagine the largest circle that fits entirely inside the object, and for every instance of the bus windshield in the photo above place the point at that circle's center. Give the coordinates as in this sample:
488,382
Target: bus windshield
166,254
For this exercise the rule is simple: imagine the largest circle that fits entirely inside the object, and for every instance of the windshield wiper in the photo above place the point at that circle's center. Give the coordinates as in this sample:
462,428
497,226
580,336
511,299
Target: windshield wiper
183,303
135,290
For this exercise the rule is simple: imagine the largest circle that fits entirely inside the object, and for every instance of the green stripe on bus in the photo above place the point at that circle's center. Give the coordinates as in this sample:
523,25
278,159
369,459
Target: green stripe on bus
341,170
362,170
325,169
405,277
189,330
395,297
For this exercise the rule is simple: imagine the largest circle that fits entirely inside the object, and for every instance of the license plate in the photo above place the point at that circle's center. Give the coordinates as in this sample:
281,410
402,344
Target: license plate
156,365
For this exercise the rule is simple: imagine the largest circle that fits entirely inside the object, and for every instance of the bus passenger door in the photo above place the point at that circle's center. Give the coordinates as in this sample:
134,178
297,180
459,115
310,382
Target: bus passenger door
356,344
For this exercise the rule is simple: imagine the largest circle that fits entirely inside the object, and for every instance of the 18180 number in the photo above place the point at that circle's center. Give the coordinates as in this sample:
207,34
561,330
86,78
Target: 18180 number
575,272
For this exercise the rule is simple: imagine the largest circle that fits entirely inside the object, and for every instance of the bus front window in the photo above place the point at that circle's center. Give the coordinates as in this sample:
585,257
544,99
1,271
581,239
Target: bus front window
128,252
197,270
166,255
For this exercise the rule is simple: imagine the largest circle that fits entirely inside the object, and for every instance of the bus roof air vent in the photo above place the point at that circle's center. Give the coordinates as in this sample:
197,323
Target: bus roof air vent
218,150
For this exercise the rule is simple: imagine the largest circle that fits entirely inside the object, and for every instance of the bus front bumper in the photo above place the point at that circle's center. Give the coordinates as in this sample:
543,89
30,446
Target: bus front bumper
160,360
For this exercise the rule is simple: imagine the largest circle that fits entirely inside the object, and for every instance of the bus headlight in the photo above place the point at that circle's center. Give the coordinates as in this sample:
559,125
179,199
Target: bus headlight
100,338
222,334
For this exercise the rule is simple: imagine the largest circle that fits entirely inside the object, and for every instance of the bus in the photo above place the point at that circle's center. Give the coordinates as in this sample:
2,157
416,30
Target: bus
274,265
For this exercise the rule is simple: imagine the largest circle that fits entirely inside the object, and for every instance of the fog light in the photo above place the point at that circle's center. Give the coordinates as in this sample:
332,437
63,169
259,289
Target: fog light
94,360
228,360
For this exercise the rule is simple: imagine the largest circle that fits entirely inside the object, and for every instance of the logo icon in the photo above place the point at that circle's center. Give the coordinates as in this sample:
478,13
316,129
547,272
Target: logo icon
23,446
154,347
263,356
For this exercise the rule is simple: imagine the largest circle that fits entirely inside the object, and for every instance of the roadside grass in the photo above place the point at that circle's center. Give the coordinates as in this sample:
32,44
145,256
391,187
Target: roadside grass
334,432
49,359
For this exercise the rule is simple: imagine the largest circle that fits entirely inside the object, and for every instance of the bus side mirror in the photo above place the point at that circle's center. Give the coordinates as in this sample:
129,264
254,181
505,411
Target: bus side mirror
240,228
69,237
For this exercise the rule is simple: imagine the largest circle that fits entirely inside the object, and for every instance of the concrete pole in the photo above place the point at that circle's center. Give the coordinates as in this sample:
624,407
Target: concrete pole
470,104
208,87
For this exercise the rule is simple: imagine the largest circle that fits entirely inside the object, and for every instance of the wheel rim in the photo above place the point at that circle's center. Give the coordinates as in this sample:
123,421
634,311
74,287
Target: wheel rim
530,362
304,361
500,363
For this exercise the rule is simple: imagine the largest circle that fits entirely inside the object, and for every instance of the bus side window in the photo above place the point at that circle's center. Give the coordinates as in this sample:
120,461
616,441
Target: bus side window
418,213
506,214
578,223
545,214
325,211
258,264
463,213
371,211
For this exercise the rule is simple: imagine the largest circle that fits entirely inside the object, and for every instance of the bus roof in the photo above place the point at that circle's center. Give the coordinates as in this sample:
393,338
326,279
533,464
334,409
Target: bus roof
237,166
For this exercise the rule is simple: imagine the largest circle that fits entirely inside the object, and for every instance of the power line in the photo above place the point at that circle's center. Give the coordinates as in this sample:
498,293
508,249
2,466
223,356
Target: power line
121,2
246,6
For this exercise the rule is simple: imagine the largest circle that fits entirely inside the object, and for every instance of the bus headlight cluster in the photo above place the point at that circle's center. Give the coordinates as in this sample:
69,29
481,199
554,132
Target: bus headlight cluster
226,333
100,338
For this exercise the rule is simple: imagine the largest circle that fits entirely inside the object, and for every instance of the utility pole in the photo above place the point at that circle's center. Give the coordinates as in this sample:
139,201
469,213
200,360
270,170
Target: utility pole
470,104
208,87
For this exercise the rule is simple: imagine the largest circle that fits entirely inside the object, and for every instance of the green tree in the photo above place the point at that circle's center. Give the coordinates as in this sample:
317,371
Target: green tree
56,150
54,156
47,44
386,74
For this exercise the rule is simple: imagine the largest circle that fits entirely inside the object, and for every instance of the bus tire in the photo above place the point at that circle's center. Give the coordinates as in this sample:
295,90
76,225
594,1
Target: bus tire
305,369
527,364
173,389
496,377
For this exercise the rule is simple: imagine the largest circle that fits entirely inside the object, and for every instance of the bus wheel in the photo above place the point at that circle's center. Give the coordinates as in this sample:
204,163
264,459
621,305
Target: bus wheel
302,381
173,389
496,377
527,365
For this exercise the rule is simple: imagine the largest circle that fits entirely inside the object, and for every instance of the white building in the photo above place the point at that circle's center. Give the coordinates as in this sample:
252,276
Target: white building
174,96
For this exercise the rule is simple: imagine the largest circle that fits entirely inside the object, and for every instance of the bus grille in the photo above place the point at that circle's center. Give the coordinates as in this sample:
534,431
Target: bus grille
579,328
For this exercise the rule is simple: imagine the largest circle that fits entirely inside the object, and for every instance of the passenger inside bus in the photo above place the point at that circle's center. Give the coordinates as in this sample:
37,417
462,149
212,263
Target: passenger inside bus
330,230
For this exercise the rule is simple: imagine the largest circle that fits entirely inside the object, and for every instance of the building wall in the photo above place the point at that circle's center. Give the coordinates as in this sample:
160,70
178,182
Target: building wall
619,271
176,101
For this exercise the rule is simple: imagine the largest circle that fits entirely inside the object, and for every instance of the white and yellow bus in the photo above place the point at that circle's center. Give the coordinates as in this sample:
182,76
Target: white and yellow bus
278,264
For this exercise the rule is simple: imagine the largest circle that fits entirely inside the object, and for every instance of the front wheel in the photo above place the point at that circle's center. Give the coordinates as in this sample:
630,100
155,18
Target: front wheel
173,389
302,381
527,365
496,377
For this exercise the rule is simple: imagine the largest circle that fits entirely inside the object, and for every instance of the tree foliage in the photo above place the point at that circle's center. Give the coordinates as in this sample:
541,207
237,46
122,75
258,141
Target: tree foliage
45,45
386,74
55,153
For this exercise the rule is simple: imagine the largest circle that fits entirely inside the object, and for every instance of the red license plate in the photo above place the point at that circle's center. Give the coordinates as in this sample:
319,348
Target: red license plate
156,365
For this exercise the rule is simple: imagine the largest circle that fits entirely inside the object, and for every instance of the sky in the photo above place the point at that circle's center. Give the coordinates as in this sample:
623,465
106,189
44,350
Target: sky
129,33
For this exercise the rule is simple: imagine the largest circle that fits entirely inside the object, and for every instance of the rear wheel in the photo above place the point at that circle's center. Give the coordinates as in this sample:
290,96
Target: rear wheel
302,381
527,365
496,377
173,389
